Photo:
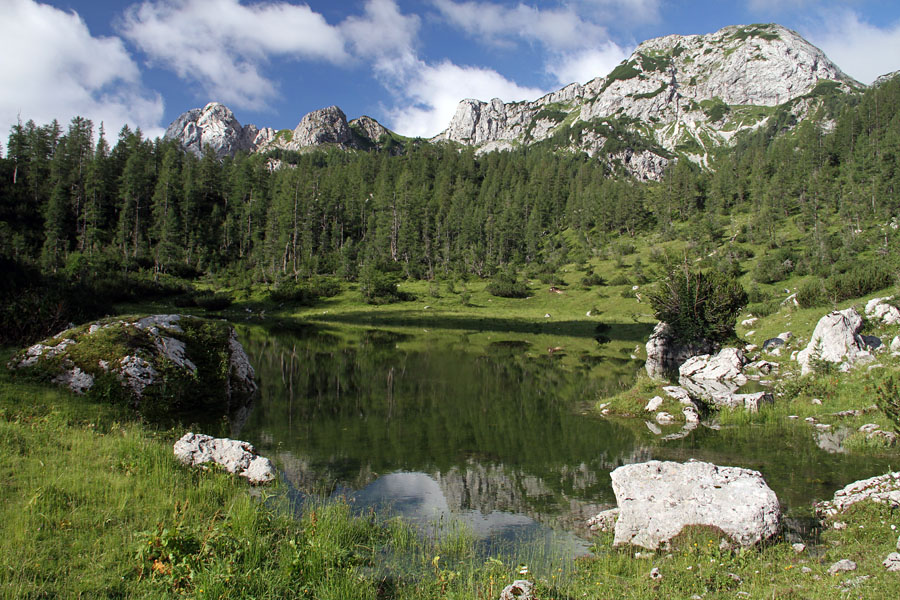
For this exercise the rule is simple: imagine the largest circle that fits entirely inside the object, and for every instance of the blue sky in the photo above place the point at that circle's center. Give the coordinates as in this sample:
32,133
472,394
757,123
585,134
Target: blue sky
405,63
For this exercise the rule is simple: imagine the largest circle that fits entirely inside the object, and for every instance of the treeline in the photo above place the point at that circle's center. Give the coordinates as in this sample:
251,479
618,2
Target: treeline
70,202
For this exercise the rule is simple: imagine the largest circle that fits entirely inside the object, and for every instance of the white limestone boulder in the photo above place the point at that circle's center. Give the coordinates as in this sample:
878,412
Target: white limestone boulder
235,456
658,499
836,339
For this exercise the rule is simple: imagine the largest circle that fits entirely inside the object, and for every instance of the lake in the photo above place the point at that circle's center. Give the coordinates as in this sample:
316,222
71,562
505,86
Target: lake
496,431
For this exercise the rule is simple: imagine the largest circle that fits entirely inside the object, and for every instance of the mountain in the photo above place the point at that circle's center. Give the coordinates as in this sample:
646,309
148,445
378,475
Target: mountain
675,96
217,126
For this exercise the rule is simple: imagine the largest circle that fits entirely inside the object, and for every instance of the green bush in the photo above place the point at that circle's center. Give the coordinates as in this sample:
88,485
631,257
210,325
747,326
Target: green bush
213,302
773,267
305,293
592,279
812,293
507,285
698,306
379,287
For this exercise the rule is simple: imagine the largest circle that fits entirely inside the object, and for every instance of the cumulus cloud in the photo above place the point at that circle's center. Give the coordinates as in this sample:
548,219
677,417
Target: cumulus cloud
434,91
223,45
384,35
577,47
585,65
556,29
51,67
862,50
623,12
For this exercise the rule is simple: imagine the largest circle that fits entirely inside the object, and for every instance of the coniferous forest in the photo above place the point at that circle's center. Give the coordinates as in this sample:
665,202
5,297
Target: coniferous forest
133,215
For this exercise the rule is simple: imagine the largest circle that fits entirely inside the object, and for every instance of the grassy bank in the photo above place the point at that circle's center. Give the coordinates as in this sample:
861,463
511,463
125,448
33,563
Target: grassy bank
93,504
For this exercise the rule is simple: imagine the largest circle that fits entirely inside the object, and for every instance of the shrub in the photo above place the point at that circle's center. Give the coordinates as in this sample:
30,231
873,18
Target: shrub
887,397
507,285
592,279
774,267
378,287
213,302
698,306
811,293
305,292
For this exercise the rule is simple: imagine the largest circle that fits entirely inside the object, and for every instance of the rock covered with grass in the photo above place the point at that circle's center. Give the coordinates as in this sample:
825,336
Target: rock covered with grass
235,456
656,500
157,363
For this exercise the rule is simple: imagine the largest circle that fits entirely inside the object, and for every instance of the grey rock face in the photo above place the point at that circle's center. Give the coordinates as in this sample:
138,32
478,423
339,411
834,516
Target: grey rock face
240,458
892,562
369,128
658,499
215,125
684,91
836,339
665,354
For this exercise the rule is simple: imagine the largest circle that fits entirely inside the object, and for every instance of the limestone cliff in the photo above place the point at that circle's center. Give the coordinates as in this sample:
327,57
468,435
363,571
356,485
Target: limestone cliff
215,125
675,95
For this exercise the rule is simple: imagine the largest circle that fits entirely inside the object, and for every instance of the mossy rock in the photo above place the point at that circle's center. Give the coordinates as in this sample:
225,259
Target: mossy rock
160,364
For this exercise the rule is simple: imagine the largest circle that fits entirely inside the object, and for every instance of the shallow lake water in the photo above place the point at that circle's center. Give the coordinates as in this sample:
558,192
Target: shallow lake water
498,435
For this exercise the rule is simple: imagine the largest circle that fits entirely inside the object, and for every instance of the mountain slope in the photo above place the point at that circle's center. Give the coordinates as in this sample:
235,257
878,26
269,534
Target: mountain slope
675,96
682,94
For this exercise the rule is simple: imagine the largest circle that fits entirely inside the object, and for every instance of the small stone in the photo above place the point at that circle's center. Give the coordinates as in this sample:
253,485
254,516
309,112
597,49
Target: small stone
816,401
811,420
664,418
842,566
892,562
654,403
805,570
655,574
520,589
798,548
839,525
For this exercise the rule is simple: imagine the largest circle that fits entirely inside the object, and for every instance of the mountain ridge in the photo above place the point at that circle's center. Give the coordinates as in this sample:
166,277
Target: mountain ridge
675,96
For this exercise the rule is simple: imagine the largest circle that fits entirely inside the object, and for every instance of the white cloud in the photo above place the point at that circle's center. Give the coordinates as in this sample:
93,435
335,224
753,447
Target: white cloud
623,12
585,65
434,91
223,45
862,50
560,29
51,67
385,36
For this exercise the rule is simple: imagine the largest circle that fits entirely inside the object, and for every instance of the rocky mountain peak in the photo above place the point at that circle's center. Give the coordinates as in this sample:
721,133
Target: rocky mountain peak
676,95
215,125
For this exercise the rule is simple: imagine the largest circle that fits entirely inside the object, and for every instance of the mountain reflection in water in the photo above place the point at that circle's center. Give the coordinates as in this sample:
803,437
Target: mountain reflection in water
501,437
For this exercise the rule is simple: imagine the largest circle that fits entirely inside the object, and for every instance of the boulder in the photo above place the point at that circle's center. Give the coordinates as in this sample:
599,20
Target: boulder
773,343
653,403
240,458
658,499
750,402
157,362
836,339
665,354
878,309
882,488
872,342
713,377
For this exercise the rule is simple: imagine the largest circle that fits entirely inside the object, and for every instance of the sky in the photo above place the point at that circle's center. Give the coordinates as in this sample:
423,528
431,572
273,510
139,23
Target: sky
405,63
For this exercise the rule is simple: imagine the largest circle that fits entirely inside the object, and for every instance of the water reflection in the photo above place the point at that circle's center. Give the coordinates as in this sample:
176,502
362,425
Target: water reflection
498,435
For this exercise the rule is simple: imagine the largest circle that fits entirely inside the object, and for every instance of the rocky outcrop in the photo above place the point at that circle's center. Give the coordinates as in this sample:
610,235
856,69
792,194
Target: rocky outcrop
369,128
665,354
240,458
710,376
658,499
836,340
159,362
879,309
215,125
882,489
678,94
